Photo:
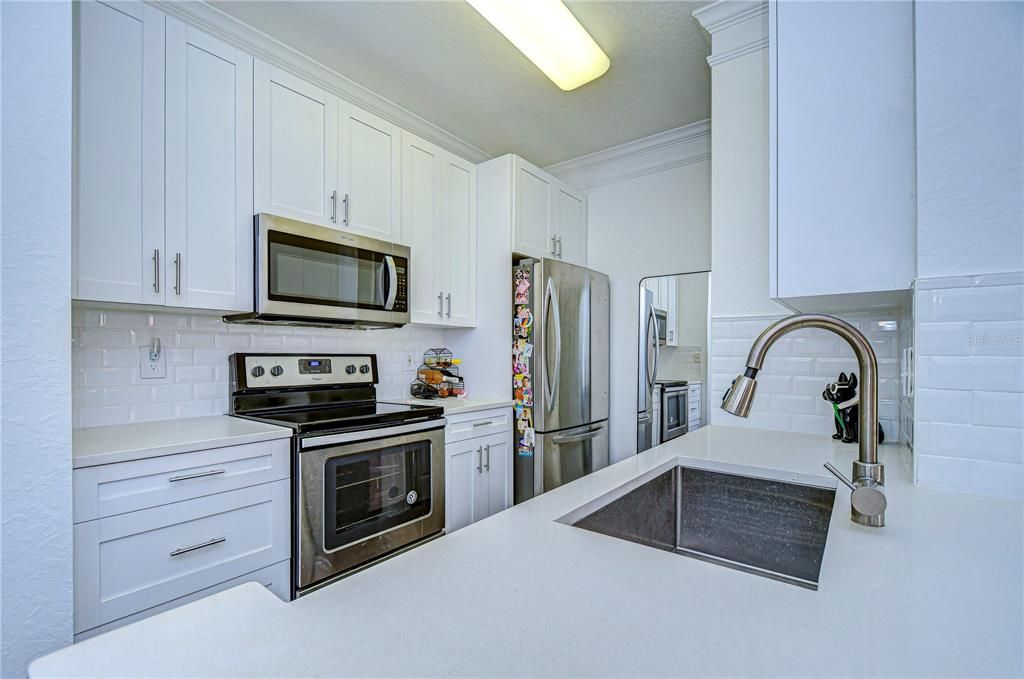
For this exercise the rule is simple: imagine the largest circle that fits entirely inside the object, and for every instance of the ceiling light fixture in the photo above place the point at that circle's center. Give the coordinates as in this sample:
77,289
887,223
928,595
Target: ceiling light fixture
550,36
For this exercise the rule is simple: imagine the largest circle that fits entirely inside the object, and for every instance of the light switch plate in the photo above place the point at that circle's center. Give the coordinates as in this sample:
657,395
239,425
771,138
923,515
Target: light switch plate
150,369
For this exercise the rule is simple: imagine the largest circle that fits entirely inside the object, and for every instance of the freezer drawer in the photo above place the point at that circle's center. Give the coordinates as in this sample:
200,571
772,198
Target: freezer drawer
559,458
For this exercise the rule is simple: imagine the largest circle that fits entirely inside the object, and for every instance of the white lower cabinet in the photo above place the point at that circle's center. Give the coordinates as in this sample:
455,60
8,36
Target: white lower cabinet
478,467
693,400
197,522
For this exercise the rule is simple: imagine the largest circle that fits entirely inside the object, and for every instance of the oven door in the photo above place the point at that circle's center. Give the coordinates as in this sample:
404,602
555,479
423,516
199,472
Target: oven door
674,413
365,494
308,271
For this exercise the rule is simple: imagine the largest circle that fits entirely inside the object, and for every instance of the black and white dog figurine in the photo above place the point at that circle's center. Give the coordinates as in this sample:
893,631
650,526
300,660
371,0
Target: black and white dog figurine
842,394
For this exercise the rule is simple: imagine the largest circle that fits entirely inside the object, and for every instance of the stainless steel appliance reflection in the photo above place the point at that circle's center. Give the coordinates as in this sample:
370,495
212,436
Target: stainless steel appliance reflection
648,370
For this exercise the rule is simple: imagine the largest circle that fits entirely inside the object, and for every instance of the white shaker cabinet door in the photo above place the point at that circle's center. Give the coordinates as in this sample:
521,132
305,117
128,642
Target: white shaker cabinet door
532,234
119,149
294,147
570,226
458,243
462,484
420,182
209,202
498,470
370,161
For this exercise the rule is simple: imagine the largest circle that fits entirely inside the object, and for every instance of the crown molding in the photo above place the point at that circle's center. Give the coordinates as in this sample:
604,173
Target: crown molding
659,152
273,51
736,28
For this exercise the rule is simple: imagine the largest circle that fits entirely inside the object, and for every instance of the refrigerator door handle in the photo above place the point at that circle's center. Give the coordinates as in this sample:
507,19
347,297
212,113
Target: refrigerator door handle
652,373
551,381
574,438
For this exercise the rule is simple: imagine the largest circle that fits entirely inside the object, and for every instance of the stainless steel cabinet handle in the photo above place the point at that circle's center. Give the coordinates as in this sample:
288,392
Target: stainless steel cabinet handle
487,464
479,459
347,200
440,304
449,298
156,271
334,207
177,273
197,475
552,245
483,424
559,241
209,543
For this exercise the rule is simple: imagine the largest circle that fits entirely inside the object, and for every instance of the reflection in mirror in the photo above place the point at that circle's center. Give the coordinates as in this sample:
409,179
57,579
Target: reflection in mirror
673,357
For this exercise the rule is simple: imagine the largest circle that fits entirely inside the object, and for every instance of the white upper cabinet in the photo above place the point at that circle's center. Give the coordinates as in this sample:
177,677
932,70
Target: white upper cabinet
842,153
439,224
420,186
570,226
209,203
295,148
549,217
532,234
369,170
119,153
458,219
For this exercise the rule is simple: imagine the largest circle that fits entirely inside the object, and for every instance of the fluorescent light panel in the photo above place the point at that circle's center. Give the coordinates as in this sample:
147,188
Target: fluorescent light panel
550,36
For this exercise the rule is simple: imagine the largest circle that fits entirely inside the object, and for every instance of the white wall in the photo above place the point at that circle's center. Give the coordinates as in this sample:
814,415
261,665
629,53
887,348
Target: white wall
969,304
644,225
35,444
970,137
196,346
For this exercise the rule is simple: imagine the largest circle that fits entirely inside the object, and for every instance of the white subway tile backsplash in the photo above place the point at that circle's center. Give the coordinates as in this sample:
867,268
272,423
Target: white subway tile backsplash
940,405
107,388
970,385
998,408
796,371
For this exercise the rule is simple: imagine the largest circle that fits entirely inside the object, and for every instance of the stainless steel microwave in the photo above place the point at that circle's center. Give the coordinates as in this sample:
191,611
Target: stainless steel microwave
311,275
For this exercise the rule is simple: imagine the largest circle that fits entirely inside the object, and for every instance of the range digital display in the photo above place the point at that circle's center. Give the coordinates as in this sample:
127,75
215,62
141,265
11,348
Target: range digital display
314,366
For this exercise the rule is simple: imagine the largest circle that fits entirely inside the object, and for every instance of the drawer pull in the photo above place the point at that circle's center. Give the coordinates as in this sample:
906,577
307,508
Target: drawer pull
483,424
198,475
209,543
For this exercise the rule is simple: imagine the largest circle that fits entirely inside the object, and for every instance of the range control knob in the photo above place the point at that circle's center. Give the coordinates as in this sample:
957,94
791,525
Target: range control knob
364,368
258,371
277,371
350,369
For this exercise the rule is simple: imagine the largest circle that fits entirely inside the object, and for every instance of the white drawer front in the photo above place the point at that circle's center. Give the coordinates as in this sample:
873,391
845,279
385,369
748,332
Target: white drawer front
131,562
462,426
111,489
276,578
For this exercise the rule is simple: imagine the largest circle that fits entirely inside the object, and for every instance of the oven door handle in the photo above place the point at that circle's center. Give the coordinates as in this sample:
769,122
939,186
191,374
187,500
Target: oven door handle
389,303
368,434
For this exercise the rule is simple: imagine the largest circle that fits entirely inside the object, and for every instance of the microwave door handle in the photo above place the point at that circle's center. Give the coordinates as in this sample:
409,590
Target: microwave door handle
389,303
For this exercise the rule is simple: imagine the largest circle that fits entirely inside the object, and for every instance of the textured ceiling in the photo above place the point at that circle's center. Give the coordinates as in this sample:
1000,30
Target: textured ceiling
444,62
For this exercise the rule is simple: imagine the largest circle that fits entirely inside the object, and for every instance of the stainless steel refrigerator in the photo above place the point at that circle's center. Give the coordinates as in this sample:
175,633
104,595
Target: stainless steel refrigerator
647,372
560,374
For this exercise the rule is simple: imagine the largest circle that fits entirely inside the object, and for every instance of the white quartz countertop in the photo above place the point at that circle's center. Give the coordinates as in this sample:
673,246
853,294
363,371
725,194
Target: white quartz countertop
125,442
461,405
937,591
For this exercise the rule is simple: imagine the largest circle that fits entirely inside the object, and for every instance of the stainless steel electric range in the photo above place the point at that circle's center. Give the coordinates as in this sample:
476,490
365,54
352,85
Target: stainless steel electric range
367,476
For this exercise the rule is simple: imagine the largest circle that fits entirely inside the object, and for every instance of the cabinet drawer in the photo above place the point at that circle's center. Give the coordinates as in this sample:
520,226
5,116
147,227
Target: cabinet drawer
276,578
462,426
110,489
132,562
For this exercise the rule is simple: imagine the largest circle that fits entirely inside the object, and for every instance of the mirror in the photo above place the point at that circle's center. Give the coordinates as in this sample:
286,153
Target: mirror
672,352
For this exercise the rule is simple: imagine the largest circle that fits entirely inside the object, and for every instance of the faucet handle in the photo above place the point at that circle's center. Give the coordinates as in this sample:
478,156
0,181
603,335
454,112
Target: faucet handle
867,500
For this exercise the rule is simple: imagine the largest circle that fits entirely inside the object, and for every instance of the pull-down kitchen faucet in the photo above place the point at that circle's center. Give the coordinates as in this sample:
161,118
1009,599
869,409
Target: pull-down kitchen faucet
867,500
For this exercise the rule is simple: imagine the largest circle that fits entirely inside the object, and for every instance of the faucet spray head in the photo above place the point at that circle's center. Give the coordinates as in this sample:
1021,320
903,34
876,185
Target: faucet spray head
741,394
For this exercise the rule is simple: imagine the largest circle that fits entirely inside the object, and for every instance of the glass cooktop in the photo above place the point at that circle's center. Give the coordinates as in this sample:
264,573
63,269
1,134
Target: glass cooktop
350,416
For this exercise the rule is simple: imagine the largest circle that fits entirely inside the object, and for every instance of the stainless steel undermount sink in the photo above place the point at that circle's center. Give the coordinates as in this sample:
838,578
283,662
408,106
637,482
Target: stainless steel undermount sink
759,521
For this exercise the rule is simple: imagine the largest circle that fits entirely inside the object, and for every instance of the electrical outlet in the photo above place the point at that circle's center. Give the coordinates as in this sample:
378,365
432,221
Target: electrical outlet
696,357
410,360
149,368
